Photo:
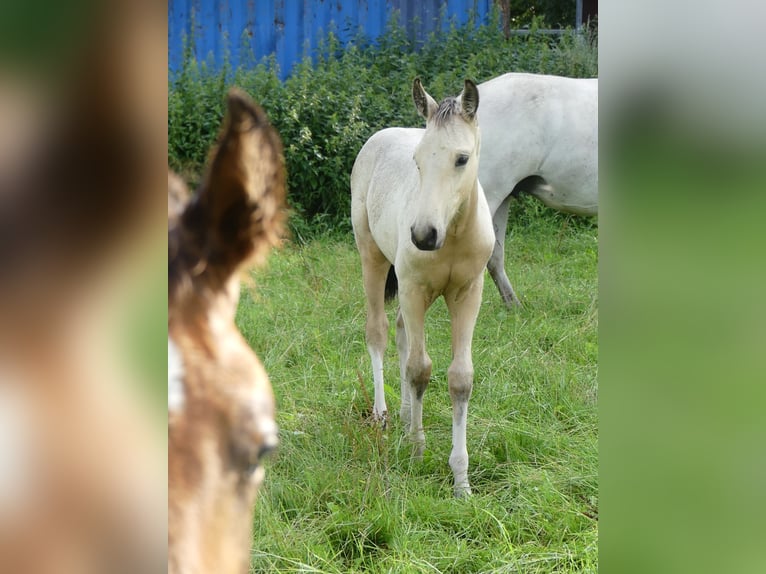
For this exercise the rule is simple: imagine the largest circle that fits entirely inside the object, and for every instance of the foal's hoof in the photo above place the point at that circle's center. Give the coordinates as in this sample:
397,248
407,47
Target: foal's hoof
380,420
462,491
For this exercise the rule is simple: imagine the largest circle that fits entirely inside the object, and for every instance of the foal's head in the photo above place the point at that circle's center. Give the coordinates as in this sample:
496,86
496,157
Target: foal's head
220,403
448,161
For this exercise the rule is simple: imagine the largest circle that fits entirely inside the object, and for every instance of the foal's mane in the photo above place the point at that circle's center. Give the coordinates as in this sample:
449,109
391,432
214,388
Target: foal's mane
447,108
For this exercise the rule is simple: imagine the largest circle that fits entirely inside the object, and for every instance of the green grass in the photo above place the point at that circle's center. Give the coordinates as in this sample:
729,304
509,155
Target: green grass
343,496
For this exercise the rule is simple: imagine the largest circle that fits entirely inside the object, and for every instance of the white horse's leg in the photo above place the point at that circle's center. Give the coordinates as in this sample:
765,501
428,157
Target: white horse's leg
374,270
417,370
496,264
403,349
463,313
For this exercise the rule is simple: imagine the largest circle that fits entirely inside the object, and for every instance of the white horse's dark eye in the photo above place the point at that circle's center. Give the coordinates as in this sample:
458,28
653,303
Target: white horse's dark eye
461,160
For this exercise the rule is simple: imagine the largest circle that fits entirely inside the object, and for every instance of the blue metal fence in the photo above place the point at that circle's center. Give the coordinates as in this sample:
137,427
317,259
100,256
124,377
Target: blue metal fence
290,29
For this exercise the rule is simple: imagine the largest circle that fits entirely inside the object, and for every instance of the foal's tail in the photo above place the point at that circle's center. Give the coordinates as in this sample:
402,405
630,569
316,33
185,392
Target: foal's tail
392,285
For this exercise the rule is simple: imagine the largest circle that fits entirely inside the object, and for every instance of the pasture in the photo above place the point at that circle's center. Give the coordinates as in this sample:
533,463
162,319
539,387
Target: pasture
342,495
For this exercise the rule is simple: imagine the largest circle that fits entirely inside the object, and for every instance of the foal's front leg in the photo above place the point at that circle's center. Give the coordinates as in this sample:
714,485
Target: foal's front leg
464,309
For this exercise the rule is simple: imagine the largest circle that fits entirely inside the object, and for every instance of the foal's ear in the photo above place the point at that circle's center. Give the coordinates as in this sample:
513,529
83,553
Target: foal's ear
241,201
425,104
469,100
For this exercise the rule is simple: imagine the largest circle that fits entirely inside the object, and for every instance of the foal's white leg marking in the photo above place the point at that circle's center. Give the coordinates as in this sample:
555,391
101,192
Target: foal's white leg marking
374,271
402,347
418,366
463,314
458,459
176,394
379,409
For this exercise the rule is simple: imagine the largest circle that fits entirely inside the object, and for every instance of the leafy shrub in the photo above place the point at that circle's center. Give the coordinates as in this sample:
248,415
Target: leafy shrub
331,104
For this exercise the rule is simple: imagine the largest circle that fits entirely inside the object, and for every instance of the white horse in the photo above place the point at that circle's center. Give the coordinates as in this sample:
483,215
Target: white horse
540,136
416,203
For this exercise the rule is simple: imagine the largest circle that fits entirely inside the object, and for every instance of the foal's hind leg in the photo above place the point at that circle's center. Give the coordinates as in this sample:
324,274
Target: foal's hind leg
464,309
374,271
402,347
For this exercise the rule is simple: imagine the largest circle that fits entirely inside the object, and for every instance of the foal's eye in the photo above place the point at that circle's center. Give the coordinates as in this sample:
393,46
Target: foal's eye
256,458
253,438
266,450
461,160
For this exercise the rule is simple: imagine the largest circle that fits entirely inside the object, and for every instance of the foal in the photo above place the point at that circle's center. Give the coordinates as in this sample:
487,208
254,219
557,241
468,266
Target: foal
416,203
220,403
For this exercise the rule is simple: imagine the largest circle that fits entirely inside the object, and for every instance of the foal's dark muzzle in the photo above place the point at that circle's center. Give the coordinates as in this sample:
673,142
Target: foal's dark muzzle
424,239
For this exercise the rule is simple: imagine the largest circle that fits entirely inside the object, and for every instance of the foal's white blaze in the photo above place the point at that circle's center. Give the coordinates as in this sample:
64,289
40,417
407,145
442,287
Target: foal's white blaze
176,395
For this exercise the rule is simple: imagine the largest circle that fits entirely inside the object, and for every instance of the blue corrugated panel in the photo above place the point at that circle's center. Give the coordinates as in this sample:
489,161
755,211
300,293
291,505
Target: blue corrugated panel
290,29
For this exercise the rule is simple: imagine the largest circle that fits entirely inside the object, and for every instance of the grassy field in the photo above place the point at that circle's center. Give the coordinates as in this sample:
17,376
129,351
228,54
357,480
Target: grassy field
343,496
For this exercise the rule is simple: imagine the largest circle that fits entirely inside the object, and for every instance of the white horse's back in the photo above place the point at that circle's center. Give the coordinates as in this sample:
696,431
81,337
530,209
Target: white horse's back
539,136
546,126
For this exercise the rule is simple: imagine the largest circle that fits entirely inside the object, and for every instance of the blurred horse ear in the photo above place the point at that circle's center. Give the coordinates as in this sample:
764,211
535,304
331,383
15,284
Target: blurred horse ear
240,206
424,103
469,100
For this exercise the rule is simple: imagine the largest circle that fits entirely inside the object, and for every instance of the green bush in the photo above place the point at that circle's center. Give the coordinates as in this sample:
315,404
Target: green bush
331,104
